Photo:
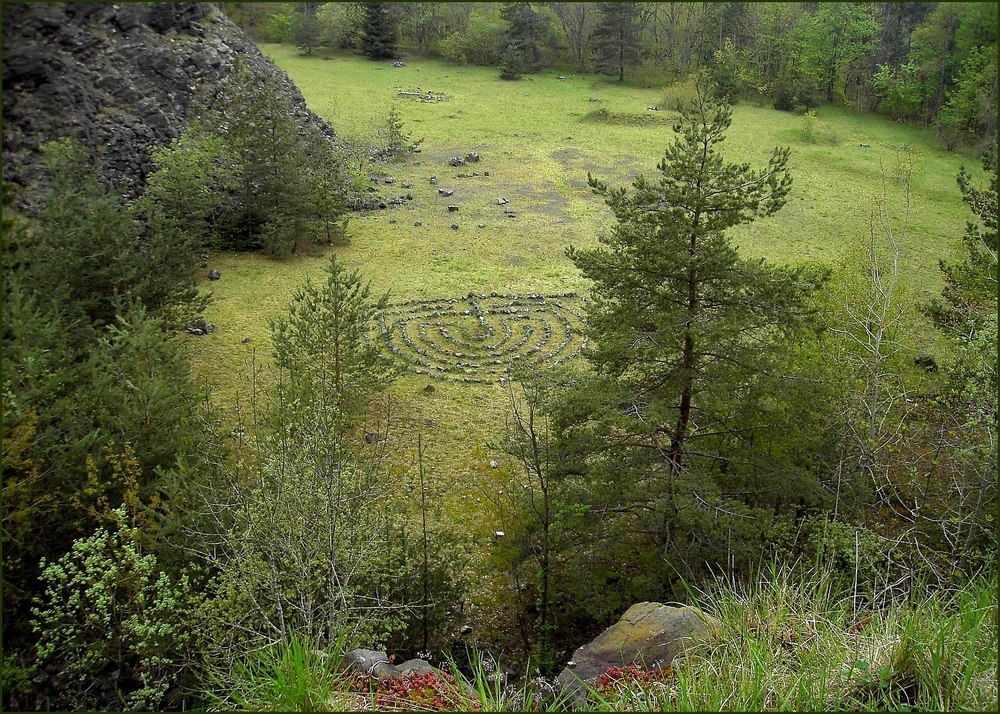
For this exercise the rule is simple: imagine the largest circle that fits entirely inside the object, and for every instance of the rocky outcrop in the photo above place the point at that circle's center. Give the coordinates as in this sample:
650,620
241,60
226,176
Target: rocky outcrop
649,634
119,78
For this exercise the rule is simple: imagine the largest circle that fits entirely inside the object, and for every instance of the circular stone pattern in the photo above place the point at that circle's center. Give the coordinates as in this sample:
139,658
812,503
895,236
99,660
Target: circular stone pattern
476,338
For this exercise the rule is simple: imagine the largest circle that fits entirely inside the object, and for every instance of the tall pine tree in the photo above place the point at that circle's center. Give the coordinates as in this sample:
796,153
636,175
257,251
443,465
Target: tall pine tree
378,40
525,29
617,37
690,338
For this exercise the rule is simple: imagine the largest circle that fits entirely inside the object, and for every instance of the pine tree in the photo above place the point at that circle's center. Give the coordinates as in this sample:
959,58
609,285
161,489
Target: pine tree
322,343
687,331
281,175
617,37
306,27
525,29
378,40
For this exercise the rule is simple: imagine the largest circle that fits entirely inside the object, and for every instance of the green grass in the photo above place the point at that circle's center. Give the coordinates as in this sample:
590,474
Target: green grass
788,641
538,139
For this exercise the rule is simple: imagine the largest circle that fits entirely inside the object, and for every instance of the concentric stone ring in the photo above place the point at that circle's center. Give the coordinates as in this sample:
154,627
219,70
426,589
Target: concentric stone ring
476,338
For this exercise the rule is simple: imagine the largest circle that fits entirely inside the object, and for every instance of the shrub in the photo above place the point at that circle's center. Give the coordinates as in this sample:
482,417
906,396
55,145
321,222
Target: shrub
809,125
481,43
680,93
784,99
293,675
111,626
510,65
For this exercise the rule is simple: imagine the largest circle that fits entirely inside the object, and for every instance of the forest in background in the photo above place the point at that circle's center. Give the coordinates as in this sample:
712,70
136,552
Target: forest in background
933,63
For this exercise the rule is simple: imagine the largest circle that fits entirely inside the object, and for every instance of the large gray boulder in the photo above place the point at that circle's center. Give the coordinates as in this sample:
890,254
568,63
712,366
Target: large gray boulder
120,78
371,662
649,634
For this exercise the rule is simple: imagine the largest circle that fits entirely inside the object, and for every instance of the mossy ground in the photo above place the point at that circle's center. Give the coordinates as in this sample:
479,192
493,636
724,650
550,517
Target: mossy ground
538,139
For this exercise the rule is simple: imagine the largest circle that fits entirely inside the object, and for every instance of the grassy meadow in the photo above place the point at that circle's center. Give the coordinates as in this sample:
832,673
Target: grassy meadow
538,139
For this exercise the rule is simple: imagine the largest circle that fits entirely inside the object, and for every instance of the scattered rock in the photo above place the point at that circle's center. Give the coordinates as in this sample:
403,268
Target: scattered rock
407,184
466,630
452,208
454,226
199,327
472,157
392,220
457,161
372,438
486,173
648,633
445,191
653,108
428,389
502,201
398,63
927,362
417,224
214,275
494,464
389,180
499,534
382,205
245,340
482,225
865,146
434,179
560,77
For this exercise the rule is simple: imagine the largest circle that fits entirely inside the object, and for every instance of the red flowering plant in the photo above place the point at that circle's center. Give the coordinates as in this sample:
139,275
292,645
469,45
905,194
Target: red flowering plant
421,691
618,682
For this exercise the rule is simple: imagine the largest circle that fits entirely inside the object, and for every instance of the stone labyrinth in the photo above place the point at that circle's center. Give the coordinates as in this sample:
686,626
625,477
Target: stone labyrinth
476,338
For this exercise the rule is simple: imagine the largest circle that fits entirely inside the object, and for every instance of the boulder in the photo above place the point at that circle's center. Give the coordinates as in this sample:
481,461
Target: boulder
457,161
649,634
199,327
119,78
452,208
371,662
214,275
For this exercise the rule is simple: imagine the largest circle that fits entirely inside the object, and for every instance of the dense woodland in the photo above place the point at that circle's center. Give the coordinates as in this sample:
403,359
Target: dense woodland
934,63
732,412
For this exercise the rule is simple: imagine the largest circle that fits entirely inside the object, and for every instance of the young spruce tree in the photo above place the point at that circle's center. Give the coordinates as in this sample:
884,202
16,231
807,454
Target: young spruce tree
322,342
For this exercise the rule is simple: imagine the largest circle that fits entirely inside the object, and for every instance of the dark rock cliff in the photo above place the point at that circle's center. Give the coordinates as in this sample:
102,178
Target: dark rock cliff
120,78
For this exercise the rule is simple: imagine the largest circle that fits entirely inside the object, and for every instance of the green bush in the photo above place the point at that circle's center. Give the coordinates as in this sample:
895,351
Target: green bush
480,43
112,628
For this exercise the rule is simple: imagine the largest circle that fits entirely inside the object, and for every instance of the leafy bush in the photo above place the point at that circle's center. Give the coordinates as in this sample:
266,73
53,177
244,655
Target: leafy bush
809,125
680,93
112,627
480,43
